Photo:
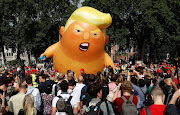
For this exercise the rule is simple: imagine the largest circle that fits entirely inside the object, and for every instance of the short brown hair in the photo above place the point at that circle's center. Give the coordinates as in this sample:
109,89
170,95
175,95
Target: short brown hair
157,91
61,76
127,86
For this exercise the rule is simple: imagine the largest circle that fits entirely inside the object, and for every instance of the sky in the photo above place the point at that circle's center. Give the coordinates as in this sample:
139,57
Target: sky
79,5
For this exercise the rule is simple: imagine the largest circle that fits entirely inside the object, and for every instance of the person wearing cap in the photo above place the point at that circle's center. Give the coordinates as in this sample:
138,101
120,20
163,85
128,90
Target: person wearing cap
82,71
27,71
168,86
159,69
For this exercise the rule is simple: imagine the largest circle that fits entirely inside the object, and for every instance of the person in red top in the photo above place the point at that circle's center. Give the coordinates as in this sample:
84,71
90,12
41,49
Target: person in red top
158,108
126,89
27,71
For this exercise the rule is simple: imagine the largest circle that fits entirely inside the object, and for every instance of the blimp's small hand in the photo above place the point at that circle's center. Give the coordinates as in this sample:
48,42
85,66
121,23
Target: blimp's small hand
42,57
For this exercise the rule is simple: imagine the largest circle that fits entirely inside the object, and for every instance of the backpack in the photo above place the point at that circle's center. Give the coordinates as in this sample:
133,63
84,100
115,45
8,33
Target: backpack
57,88
148,111
94,109
128,107
64,106
111,94
85,97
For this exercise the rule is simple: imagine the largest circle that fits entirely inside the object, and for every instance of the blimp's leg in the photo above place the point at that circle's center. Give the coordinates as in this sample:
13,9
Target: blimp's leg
49,51
108,61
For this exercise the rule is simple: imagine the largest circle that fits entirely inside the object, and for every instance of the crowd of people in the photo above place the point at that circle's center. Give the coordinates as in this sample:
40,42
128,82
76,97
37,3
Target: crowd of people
123,90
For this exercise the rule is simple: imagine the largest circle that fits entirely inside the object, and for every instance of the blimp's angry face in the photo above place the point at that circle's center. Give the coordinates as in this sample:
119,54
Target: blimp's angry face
83,42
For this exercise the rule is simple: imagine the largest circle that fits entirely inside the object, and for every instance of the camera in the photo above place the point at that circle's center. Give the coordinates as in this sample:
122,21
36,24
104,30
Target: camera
154,80
177,61
1,91
130,70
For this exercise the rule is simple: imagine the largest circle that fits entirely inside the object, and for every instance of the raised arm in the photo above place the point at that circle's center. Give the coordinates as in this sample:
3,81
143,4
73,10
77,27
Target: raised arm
128,76
116,93
49,51
137,74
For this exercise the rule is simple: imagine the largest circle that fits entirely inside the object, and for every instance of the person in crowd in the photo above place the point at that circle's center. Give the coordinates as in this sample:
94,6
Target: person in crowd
112,88
95,91
56,87
27,71
79,86
11,90
42,86
158,108
4,81
48,81
64,94
168,86
35,92
28,106
171,107
126,89
91,80
3,91
141,90
110,69
69,75
16,102
82,71
71,86
3,103
34,77
47,98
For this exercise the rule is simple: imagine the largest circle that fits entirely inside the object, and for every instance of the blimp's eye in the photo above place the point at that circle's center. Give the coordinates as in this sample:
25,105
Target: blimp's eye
77,31
96,35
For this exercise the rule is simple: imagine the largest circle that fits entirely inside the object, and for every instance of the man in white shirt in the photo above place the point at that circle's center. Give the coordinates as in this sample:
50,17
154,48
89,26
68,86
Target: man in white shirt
79,86
56,87
71,85
64,94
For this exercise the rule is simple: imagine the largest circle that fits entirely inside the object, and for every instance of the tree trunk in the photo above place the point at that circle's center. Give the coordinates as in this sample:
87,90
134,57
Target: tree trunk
143,50
4,57
29,57
18,53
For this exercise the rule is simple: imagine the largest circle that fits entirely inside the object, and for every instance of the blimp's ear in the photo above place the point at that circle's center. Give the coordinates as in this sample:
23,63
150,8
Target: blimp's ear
61,30
107,40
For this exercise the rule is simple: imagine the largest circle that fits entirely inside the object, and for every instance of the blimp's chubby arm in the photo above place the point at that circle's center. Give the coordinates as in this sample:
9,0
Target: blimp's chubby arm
108,61
49,51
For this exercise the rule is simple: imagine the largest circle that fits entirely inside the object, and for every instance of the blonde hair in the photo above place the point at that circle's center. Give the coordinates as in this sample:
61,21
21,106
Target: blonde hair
126,86
157,91
90,16
28,105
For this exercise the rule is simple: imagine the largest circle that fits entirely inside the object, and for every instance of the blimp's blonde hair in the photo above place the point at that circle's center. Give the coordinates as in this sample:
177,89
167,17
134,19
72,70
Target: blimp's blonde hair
91,16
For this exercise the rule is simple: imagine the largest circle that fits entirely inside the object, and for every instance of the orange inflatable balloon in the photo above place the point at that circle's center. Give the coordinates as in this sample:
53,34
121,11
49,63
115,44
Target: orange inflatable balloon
82,43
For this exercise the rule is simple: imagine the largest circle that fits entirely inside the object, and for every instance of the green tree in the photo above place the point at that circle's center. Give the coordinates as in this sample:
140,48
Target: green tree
153,25
6,26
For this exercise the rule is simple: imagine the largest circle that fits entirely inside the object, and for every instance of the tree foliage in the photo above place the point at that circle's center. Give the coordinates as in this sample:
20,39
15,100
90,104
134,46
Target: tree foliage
153,25
33,25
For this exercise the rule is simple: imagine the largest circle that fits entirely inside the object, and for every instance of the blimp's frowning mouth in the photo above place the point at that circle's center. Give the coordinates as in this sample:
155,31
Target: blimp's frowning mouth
84,46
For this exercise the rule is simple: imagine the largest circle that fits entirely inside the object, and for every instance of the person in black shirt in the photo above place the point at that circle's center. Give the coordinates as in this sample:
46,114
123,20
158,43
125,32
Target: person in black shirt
171,108
168,88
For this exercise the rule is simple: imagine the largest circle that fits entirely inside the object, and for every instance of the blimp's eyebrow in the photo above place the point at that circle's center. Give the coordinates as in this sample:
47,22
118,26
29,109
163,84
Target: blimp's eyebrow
79,27
97,30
